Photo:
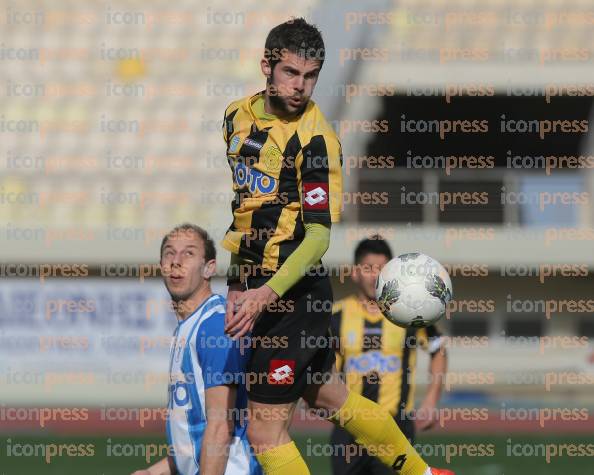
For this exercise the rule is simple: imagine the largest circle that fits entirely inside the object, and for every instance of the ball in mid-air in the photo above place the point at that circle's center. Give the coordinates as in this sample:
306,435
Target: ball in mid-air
413,289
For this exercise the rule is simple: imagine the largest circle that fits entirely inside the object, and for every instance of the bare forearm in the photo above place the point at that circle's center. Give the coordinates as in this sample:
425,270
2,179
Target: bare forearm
164,466
215,449
437,370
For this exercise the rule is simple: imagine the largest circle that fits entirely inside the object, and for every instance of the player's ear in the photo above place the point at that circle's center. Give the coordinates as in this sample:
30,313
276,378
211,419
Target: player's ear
266,68
209,269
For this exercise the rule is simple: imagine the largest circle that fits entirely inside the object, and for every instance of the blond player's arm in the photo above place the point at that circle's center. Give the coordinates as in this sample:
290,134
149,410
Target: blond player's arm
427,413
214,452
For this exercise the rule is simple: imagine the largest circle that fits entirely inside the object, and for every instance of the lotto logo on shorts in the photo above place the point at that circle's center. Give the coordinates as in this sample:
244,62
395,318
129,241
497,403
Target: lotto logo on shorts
281,372
315,195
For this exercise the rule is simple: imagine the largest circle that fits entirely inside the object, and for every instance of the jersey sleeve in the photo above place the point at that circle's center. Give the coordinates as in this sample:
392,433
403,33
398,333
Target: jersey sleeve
222,360
319,180
227,126
430,339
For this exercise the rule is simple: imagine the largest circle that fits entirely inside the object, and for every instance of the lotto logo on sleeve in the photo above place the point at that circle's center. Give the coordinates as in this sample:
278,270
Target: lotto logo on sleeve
315,196
281,372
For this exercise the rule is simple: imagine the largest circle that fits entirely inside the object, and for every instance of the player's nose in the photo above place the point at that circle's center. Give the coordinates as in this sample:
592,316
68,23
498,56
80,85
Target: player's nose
299,84
176,261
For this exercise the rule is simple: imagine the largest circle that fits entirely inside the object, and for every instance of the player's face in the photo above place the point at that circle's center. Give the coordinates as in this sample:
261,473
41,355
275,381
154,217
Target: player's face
366,272
183,266
291,84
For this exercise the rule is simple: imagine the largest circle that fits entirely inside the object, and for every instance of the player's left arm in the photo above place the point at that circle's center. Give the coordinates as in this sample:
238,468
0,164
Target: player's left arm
433,342
214,452
319,180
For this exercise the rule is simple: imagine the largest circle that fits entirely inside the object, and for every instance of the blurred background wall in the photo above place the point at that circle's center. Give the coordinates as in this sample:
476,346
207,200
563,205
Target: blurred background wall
467,134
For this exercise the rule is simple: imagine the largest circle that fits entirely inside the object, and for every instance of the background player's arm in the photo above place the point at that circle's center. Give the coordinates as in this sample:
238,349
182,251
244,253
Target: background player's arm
219,401
335,324
427,416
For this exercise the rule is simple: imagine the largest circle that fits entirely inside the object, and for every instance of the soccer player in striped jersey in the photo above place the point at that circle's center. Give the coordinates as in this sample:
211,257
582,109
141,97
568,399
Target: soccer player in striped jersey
286,164
206,428
377,359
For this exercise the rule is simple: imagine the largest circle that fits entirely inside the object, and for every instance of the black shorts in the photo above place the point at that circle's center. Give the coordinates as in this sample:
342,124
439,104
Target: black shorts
292,347
349,458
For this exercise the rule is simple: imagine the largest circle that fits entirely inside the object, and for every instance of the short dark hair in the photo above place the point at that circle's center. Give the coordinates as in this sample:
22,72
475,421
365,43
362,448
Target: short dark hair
375,244
296,36
210,251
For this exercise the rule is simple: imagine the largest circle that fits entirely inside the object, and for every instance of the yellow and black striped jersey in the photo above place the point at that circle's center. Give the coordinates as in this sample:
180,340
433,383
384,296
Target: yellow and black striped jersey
286,173
377,358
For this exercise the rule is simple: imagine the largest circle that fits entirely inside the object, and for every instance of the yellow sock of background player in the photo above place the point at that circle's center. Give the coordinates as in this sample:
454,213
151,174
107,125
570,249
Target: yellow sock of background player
284,459
375,429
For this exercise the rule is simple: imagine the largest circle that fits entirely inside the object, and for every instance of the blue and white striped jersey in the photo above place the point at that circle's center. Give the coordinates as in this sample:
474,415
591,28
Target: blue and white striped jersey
202,356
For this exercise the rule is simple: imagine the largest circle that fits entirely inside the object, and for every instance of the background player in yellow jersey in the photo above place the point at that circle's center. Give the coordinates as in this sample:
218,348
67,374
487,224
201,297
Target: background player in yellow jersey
286,163
377,359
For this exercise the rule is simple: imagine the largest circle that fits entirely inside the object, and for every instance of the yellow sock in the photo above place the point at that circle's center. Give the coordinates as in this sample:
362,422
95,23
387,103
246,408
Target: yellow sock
375,429
284,459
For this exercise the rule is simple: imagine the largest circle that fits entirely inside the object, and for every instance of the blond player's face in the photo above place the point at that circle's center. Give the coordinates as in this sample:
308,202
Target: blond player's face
183,265
292,83
366,272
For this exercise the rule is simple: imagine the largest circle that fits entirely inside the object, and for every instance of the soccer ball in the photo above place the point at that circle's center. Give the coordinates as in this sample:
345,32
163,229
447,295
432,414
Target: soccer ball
412,290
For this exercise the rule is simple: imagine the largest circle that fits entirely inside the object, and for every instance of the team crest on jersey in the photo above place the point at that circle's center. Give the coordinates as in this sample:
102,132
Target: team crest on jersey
253,179
273,158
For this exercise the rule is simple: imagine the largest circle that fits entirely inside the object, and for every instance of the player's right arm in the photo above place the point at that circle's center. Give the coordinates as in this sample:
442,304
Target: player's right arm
235,287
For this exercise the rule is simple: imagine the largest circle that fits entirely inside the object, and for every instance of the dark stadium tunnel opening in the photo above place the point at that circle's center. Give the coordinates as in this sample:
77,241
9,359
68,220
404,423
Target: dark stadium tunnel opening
474,141
464,148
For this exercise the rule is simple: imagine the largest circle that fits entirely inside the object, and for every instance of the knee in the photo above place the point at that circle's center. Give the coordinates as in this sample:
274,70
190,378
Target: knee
328,398
263,436
256,434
